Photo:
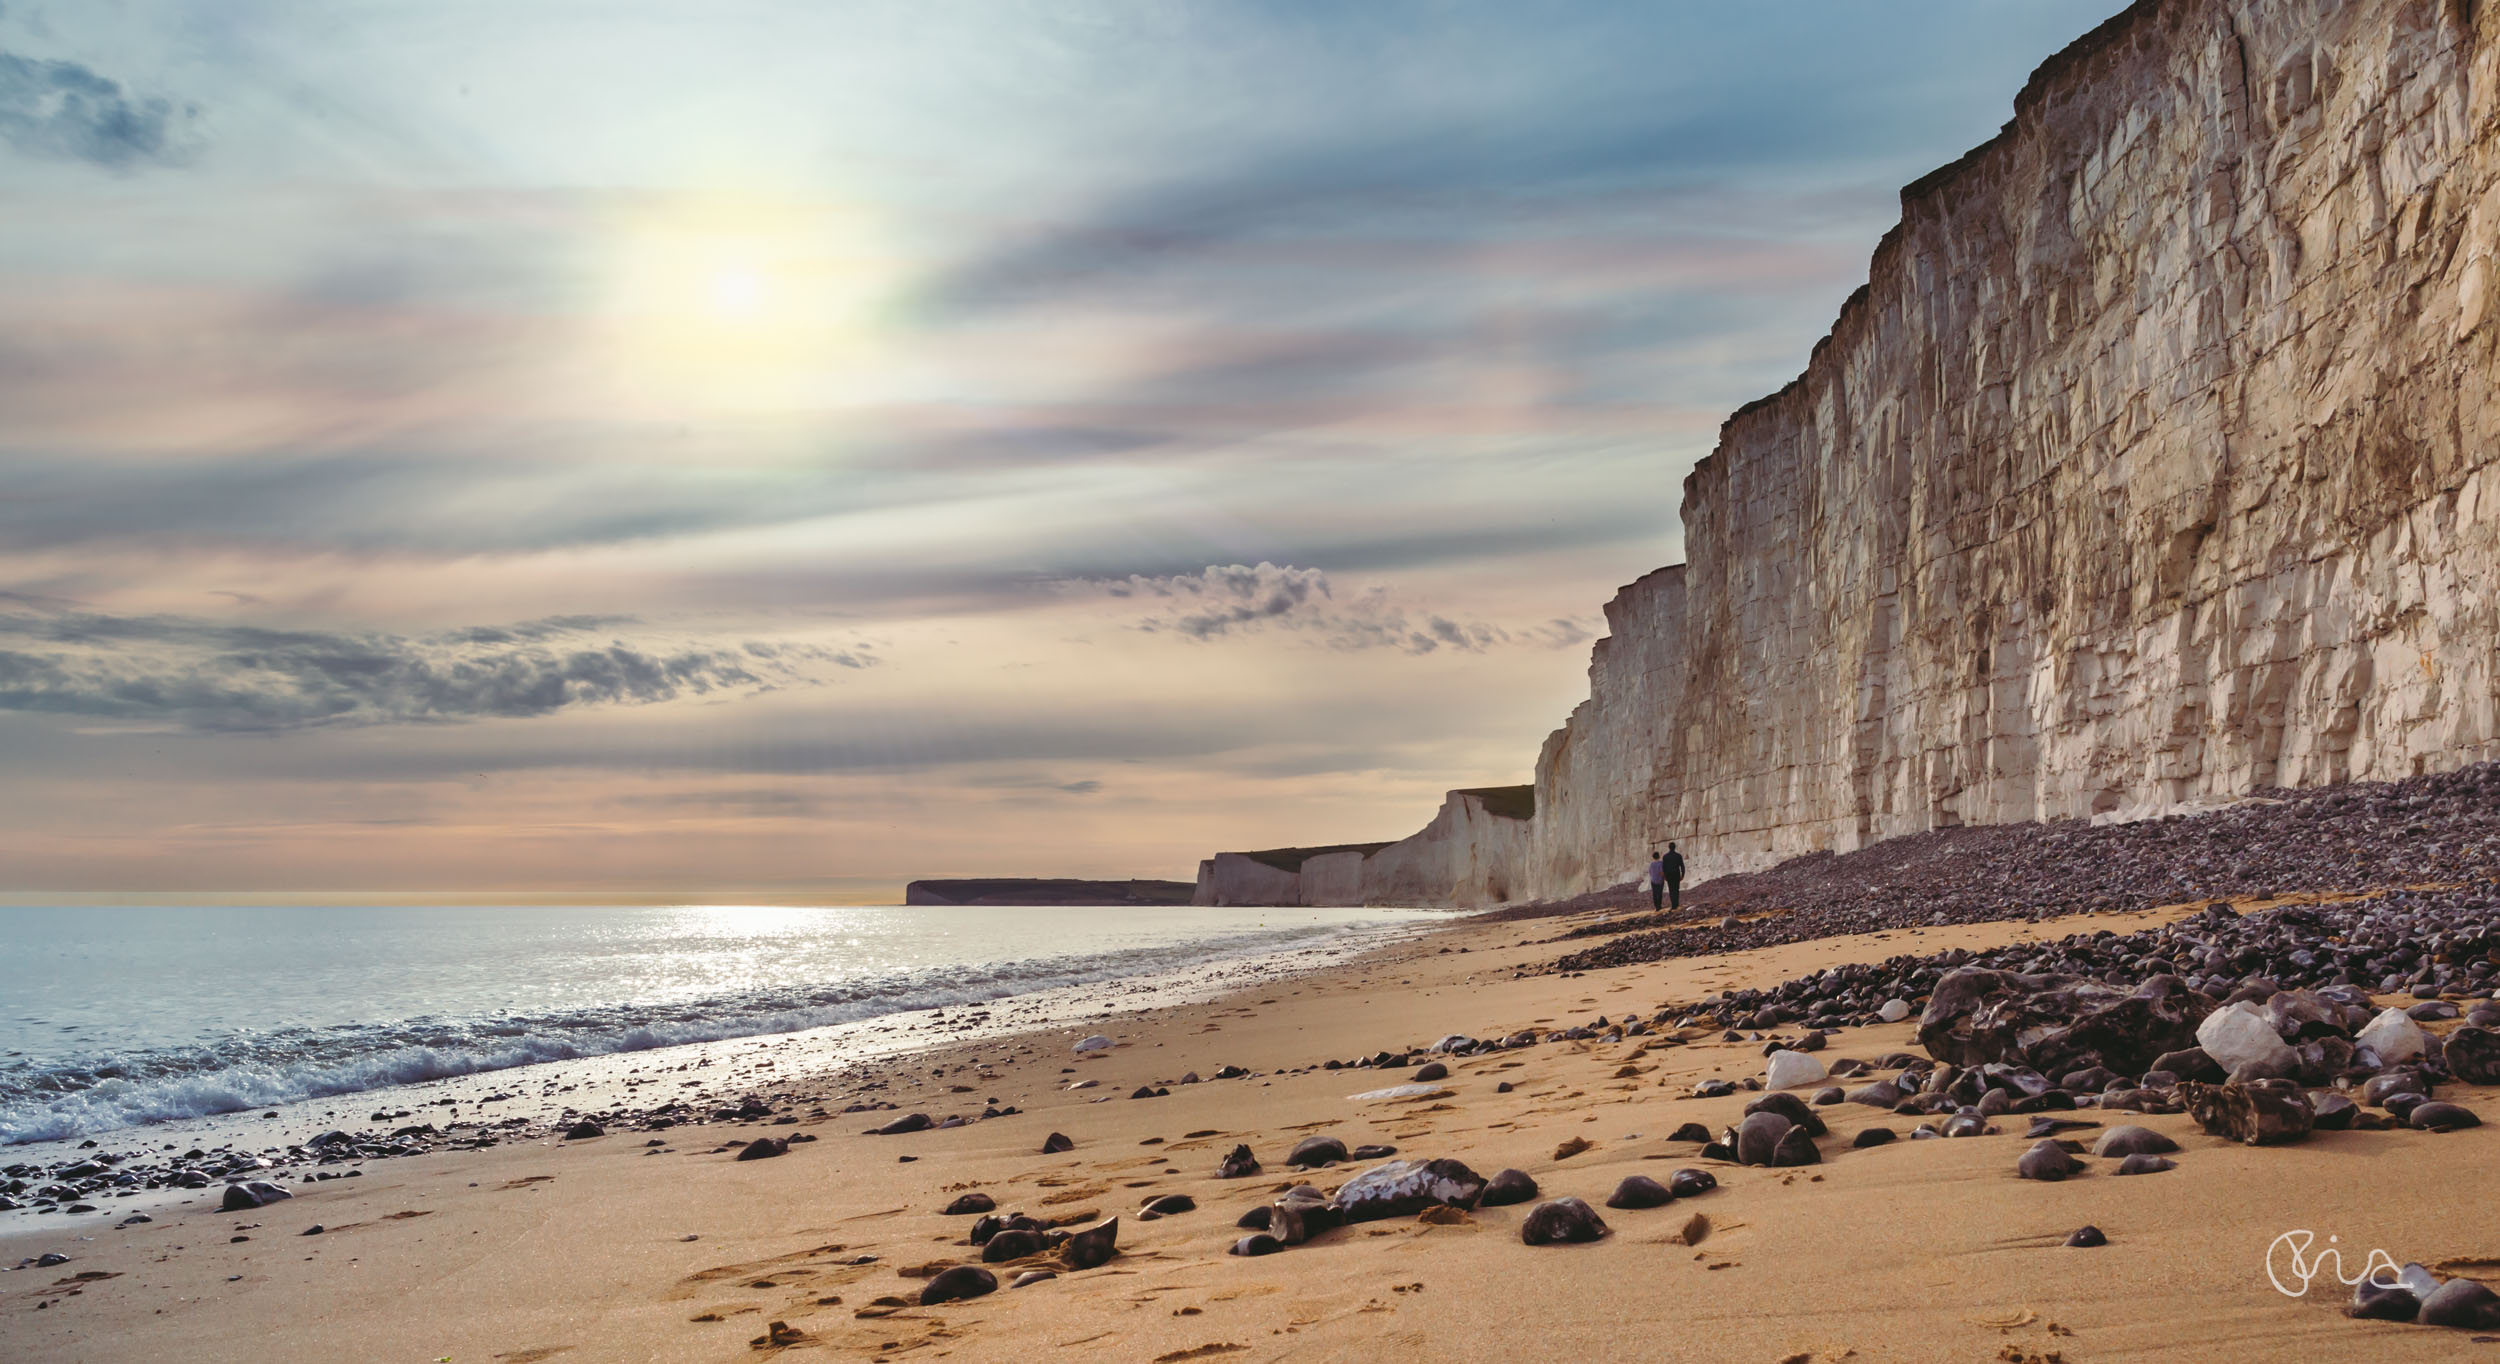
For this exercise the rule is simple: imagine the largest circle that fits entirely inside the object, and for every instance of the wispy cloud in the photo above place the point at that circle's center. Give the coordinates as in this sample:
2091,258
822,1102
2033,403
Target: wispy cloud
64,111
1237,599
204,676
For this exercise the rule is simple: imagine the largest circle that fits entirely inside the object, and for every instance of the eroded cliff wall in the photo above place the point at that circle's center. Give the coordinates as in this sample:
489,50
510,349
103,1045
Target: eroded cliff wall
2154,465
1468,857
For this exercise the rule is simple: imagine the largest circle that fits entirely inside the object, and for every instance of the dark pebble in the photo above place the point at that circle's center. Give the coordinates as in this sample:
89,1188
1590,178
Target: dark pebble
963,1281
1640,1191
1562,1221
1510,1186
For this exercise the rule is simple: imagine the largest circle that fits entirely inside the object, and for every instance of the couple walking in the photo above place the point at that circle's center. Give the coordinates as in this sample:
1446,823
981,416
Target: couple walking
1666,879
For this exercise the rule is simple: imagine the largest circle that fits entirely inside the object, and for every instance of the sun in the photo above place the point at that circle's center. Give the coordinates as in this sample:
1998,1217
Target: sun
741,304
737,292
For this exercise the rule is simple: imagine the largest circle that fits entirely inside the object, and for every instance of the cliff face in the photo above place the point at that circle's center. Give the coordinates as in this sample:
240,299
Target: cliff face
1468,857
2155,464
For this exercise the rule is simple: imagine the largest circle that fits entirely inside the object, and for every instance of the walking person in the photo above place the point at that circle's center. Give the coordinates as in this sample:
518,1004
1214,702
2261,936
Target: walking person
1657,880
1672,865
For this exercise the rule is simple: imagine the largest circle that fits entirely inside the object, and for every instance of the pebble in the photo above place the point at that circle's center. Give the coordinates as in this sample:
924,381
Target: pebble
2257,1115
2129,1140
970,1204
250,1194
1055,1143
1316,1151
1873,1136
1560,1222
962,1281
1796,1148
2086,1237
2047,1161
764,1148
2442,1117
2462,1303
1790,1068
1013,1244
1092,1247
1640,1191
1687,1183
1238,1165
1510,1186
1257,1244
2141,1164
1032,1276
1759,1136
2382,1302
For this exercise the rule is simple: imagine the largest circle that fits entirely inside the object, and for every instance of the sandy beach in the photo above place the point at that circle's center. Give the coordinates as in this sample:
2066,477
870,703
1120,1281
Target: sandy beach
664,1246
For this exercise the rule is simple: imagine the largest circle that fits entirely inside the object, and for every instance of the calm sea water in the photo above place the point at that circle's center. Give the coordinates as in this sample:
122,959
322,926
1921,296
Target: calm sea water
116,1017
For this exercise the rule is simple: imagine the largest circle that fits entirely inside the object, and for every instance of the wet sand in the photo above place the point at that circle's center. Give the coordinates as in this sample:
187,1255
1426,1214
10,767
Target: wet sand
611,1249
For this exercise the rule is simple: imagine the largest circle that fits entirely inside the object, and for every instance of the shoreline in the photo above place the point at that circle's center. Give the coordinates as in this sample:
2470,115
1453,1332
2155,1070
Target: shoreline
537,1099
537,1248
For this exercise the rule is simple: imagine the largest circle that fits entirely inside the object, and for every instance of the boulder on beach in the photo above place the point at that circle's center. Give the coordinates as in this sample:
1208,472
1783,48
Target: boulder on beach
1404,1187
2057,1023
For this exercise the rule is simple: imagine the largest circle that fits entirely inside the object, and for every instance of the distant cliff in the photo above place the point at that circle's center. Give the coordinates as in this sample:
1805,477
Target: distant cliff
1014,890
1463,859
2153,465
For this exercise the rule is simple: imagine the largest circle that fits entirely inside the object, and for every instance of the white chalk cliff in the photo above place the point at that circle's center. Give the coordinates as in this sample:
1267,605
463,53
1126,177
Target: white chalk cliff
2157,462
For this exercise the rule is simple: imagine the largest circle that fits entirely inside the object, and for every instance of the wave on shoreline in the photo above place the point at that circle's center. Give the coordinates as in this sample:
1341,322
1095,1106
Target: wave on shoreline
86,1095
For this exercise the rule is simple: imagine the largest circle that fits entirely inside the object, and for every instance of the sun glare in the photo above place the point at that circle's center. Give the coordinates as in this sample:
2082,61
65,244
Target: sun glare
742,305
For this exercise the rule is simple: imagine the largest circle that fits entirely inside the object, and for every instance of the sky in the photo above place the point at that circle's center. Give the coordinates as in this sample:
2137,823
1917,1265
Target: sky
776,449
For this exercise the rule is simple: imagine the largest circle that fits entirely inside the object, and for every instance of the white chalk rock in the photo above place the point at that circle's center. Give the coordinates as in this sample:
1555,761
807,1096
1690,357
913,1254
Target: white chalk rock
1097,1042
1401,1092
1792,1068
1455,1041
2393,1036
1894,1010
2241,1034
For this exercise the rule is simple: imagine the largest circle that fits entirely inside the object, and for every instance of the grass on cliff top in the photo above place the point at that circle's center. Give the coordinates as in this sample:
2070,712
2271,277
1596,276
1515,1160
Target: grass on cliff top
1291,859
1510,802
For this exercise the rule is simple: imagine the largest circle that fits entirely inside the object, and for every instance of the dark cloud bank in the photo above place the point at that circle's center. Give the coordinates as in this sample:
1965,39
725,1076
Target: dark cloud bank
216,678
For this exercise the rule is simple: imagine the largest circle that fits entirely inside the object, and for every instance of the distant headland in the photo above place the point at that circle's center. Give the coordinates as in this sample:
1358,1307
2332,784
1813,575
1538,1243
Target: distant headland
1043,890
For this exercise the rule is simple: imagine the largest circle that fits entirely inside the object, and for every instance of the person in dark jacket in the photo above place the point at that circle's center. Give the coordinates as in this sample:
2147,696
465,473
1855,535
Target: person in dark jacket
1673,866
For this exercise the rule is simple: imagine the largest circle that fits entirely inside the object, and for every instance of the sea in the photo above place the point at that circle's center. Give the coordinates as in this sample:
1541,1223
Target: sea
114,1019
